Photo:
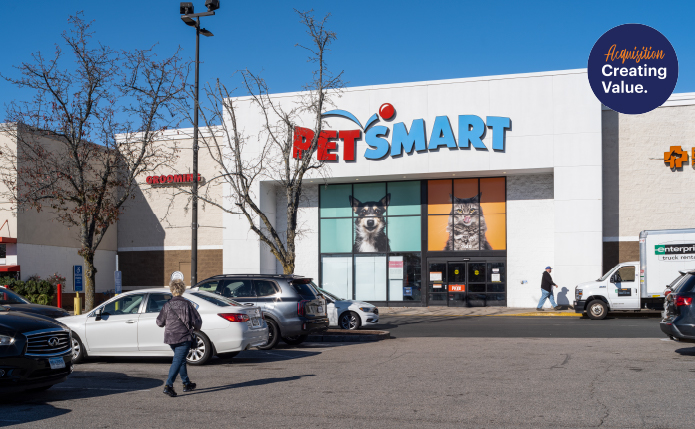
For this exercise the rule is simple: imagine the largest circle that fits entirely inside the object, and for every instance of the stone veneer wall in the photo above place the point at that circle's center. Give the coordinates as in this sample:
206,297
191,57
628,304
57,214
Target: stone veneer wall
154,268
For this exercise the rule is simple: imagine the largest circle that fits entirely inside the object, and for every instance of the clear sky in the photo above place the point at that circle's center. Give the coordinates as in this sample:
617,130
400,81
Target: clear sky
378,42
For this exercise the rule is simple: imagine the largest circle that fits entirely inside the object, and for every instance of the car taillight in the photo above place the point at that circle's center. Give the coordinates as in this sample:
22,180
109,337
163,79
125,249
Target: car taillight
301,311
667,292
683,300
234,317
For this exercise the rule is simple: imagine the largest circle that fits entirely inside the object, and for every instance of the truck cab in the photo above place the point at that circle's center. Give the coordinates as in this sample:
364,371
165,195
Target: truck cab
618,289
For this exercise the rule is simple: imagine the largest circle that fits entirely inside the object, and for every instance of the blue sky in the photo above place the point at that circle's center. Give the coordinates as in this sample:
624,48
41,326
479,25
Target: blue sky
378,42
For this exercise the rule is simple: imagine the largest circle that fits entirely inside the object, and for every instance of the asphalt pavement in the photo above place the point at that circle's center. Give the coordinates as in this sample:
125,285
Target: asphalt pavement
519,327
527,381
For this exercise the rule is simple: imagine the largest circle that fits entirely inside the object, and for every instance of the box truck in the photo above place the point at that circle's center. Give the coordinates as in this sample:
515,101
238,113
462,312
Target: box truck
631,286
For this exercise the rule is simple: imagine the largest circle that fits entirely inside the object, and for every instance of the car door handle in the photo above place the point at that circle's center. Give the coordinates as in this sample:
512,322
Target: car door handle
130,321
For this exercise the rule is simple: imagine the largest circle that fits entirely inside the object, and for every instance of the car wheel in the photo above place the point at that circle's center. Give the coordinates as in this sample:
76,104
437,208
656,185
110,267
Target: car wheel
295,341
202,352
78,352
349,320
273,335
229,355
597,310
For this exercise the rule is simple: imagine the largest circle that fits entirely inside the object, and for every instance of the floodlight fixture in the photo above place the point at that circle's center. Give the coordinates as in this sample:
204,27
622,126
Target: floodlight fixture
188,20
206,33
186,8
212,5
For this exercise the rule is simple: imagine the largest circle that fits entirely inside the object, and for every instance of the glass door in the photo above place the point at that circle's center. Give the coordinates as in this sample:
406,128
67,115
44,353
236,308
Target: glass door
456,275
437,283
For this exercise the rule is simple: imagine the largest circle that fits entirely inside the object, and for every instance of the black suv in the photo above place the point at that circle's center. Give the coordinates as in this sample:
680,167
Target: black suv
35,352
679,310
291,307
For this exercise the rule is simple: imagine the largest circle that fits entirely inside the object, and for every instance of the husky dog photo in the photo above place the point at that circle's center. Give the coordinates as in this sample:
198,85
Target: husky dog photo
370,225
466,226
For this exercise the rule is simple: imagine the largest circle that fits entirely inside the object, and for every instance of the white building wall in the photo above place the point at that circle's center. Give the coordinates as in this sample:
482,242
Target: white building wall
530,237
48,260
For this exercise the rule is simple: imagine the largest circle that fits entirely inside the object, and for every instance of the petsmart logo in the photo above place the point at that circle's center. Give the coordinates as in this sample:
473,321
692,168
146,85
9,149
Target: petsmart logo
472,130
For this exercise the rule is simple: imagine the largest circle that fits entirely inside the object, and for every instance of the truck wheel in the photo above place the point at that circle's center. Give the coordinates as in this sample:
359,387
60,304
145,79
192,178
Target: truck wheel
597,310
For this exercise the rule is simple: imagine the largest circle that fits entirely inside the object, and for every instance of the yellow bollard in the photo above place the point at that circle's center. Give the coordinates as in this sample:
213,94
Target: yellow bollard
78,304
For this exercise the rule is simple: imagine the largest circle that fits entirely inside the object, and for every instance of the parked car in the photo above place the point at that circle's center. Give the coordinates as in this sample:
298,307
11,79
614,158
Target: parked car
348,313
126,326
35,352
678,322
15,302
292,307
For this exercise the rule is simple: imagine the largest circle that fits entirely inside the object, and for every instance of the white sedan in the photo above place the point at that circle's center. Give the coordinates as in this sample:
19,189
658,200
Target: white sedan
126,326
347,313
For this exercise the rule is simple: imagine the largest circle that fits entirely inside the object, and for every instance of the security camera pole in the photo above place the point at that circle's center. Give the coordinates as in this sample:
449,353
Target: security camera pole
187,15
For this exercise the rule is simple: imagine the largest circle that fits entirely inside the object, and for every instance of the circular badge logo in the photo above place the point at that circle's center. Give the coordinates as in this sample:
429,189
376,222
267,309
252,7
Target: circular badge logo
633,69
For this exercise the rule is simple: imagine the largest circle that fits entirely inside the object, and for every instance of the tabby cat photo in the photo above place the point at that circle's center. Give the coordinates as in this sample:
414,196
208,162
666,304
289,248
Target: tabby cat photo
466,227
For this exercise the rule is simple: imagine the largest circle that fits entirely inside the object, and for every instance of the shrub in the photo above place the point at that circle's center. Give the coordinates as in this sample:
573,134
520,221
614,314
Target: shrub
42,299
44,288
56,278
34,290
34,277
30,287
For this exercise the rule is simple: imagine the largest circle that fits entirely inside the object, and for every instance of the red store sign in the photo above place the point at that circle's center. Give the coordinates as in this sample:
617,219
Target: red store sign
167,179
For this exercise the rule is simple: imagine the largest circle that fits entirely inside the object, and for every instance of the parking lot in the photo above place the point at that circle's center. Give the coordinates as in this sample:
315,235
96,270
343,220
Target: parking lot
529,380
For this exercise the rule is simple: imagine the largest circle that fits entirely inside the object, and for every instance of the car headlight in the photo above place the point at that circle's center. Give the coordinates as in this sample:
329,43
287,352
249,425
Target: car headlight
6,340
579,293
366,309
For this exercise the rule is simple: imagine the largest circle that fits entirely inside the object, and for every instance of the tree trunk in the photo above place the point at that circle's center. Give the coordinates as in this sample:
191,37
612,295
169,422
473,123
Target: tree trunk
90,273
288,267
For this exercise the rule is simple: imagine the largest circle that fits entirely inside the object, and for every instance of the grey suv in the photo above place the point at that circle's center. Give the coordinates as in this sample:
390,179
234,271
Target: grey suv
291,307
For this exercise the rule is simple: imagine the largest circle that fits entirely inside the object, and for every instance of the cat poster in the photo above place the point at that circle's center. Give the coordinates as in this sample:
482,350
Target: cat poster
467,214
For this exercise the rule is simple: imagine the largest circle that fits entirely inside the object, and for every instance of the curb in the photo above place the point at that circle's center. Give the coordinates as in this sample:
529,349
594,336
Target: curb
341,336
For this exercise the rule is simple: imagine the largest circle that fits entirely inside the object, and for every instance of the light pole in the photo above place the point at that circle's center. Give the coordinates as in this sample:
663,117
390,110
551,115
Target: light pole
187,15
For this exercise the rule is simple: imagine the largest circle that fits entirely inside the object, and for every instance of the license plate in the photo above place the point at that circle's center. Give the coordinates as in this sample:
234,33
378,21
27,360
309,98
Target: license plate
320,308
56,363
255,321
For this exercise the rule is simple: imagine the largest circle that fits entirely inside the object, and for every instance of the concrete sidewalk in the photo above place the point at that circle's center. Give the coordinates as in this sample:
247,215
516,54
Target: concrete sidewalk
493,311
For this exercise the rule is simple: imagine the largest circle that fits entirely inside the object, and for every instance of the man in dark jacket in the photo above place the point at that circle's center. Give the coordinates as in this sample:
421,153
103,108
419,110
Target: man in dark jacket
179,319
547,285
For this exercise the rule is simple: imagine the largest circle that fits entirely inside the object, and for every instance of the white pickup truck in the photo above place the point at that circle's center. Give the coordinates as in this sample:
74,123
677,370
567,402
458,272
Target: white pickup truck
631,286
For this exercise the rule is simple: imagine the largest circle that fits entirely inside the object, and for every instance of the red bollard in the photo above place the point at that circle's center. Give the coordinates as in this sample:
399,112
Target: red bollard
60,296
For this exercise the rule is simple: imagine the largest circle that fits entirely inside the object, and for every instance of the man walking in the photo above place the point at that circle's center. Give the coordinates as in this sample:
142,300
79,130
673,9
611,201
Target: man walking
547,290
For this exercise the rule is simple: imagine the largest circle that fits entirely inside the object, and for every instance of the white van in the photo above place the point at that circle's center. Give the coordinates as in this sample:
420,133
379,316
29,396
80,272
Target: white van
639,284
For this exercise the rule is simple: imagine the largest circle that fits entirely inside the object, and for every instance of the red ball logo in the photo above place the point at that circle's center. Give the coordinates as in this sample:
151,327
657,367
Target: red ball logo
386,111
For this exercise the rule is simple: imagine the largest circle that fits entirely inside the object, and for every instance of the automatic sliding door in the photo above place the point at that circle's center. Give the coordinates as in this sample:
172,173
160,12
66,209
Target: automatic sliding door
457,284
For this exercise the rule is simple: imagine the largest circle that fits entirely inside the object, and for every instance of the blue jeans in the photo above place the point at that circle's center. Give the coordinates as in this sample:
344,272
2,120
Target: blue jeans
178,366
546,295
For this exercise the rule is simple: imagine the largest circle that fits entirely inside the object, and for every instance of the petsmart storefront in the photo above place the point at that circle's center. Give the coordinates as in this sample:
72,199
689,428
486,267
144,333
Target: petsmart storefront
451,193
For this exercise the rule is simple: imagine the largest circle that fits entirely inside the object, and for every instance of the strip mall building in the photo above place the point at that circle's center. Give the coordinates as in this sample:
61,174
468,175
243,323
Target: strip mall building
455,192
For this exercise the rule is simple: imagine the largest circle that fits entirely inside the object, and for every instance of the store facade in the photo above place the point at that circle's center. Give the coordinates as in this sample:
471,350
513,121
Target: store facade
452,192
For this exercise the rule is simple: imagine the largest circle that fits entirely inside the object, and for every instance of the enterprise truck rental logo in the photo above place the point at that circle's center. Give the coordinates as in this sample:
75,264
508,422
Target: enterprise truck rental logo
675,252
471,132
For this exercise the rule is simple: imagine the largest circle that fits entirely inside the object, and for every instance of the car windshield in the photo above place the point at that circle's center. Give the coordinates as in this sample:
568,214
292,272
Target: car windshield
328,294
9,297
605,276
219,301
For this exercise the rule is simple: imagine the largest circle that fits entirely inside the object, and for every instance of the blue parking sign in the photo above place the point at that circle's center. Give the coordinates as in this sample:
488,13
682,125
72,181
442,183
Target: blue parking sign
77,278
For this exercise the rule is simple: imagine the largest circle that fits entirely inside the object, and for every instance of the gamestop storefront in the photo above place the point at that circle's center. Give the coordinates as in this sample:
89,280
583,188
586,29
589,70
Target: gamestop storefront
456,192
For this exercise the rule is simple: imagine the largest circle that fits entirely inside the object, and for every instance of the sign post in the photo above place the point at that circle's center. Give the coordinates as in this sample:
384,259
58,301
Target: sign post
77,286
118,279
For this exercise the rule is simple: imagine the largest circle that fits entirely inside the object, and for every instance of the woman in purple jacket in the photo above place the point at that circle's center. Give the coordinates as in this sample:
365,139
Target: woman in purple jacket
179,319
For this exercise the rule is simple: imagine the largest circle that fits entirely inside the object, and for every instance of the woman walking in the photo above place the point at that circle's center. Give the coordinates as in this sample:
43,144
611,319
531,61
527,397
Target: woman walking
179,319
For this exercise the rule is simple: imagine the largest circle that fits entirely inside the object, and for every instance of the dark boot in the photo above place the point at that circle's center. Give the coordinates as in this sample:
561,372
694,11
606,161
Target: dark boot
189,387
169,390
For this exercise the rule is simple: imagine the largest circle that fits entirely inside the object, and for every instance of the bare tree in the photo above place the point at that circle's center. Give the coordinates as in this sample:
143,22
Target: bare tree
275,161
77,147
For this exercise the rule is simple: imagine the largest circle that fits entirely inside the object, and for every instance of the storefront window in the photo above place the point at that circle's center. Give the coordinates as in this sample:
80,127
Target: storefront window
337,275
467,214
405,277
370,277
364,223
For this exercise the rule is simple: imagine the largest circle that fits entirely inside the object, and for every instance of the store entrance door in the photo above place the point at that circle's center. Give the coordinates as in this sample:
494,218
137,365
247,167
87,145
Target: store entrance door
466,282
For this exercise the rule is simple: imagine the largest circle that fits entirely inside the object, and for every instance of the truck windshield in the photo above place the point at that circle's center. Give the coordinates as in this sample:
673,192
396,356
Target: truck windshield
605,276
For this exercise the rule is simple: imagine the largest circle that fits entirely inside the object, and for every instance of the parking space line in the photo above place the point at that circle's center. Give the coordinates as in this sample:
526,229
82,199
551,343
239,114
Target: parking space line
102,388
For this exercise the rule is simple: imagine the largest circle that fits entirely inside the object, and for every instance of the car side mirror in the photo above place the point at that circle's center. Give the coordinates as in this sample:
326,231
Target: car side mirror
98,313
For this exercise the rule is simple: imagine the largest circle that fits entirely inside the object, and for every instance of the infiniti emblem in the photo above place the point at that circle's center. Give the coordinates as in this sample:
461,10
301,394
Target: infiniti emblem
53,341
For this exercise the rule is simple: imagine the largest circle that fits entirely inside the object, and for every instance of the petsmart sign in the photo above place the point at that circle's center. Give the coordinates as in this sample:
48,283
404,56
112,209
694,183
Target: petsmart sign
471,131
